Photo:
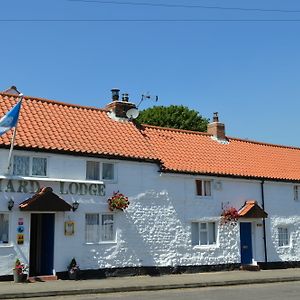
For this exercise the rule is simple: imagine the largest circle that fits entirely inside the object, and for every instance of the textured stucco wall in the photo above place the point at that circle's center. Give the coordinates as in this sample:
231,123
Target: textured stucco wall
156,228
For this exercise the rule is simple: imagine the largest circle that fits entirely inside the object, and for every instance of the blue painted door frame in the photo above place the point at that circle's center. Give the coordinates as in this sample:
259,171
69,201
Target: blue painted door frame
246,243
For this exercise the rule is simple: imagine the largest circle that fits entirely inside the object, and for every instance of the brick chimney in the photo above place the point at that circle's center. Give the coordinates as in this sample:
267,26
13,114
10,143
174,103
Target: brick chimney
117,107
216,128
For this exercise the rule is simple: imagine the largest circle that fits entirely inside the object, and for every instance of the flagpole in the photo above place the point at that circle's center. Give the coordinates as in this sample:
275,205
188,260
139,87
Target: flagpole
13,139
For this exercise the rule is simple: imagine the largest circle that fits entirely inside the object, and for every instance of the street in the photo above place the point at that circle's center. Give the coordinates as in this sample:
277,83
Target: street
274,291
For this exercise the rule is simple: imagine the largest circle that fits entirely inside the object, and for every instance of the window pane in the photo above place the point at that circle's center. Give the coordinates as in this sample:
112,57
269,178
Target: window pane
203,226
39,166
107,171
203,238
207,188
296,193
195,233
283,236
92,228
3,228
211,233
107,232
92,170
21,165
199,187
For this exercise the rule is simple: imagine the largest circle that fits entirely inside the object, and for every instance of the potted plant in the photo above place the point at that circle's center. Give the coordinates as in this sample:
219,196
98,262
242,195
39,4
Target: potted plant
19,271
73,270
118,201
229,215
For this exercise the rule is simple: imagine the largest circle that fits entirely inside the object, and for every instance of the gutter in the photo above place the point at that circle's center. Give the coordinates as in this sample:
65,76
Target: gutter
264,220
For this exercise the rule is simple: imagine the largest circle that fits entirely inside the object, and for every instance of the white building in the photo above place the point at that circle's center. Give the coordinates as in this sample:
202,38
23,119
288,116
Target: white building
178,183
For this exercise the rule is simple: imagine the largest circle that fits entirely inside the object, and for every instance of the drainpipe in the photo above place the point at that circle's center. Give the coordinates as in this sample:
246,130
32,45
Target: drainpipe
264,221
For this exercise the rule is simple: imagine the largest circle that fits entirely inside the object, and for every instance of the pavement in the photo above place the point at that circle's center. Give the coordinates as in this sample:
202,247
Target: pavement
11,290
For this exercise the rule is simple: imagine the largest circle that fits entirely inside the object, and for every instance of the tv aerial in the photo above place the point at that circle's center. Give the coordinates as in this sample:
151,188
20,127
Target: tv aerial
132,113
148,97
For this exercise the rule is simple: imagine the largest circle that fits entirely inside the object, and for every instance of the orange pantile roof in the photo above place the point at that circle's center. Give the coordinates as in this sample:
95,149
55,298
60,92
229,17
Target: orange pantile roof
51,125
46,125
194,152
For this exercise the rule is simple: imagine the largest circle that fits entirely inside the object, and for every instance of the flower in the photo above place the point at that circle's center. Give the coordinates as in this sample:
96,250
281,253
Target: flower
117,201
73,267
20,267
229,215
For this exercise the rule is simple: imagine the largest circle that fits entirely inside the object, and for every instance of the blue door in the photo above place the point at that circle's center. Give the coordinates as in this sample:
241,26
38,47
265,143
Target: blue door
246,243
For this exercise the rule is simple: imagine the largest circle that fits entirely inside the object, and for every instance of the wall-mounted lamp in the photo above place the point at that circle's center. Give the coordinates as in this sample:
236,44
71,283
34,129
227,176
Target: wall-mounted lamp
75,205
10,204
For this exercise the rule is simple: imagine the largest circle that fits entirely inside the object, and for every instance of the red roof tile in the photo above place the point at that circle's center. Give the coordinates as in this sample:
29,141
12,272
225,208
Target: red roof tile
194,152
51,125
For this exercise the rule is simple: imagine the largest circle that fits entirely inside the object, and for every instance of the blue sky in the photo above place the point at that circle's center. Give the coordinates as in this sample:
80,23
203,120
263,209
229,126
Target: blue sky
248,71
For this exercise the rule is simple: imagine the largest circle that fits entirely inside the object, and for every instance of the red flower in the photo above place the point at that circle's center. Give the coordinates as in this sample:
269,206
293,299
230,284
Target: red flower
117,201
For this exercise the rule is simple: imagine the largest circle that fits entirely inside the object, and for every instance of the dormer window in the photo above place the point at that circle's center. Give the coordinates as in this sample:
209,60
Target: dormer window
29,166
203,188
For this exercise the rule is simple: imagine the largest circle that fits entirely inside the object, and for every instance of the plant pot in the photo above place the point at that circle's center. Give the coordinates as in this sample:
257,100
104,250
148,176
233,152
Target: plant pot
18,278
73,275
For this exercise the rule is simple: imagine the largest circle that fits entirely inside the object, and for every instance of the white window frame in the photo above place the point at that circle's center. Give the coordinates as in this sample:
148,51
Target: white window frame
101,163
100,229
203,187
286,242
31,165
296,190
198,244
8,239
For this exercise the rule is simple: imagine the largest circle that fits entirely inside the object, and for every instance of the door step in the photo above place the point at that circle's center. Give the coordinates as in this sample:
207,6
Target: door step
249,268
42,278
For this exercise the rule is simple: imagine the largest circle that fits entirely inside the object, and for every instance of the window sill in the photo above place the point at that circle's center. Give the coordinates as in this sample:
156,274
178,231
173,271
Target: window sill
205,247
6,245
203,197
102,243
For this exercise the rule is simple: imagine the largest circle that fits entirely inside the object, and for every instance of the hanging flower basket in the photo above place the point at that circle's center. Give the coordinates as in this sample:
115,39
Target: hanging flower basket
118,201
230,216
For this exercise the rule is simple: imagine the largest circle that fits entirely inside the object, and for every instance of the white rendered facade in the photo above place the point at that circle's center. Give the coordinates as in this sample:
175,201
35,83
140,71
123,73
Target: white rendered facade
155,230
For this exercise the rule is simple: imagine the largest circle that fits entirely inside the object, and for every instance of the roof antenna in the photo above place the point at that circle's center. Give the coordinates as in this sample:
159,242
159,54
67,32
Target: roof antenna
147,96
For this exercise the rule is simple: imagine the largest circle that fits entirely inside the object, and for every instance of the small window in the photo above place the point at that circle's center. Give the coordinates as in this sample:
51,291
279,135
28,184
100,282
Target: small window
283,236
39,166
92,170
107,228
95,233
203,233
3,228
21,165
29,166
107,171
296,192
203,188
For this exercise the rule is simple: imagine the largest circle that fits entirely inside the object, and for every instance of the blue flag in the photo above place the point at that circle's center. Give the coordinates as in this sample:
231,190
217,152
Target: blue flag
10,119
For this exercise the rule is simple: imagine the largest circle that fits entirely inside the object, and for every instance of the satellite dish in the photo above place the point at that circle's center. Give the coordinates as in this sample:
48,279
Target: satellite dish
132,113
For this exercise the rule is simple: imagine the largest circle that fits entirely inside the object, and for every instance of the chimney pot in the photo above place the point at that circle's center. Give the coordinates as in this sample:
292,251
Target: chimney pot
215,117
115,94
125,97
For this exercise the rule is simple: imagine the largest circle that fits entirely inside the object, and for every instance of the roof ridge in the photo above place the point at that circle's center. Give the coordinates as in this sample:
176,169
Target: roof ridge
55,102
177,129
263,143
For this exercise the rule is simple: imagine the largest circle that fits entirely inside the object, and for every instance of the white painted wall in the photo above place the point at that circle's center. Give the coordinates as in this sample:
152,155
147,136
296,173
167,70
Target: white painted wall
156,228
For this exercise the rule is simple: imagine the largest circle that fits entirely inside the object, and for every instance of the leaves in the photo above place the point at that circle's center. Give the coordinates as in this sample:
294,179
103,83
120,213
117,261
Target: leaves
173,116
118,201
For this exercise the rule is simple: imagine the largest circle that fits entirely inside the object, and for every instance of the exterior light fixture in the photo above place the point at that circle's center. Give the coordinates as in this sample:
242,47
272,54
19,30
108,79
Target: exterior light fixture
10,204
75,205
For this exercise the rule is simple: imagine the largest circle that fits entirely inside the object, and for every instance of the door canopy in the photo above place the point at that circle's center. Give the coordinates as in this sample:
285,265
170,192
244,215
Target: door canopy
45,200
252,210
